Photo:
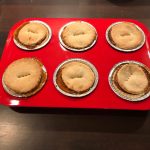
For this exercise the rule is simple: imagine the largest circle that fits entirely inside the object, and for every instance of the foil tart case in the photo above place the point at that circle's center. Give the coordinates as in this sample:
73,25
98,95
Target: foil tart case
45,42
120,49
120,93
75,49
82,61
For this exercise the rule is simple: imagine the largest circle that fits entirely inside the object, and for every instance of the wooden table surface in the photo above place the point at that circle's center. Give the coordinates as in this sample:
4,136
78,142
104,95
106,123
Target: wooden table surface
72,129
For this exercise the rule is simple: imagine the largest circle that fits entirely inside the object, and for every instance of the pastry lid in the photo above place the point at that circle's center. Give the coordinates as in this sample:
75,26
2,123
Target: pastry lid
121,49
75,49
40,86
120,93
40,45
92,67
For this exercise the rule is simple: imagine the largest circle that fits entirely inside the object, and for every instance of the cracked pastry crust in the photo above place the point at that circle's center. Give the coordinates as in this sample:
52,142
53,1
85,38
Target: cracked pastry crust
23,75
132,79
31,34
125,35
78,35
75,77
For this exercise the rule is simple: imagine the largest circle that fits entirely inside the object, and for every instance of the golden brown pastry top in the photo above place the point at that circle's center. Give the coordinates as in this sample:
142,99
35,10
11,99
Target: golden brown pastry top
32,34
78,35
132,79
23,75
77,76
126,36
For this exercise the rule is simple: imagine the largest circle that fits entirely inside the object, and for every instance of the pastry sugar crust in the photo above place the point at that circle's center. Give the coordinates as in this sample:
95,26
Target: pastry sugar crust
132,79
31,34
77,76
126,36
23,75
78,35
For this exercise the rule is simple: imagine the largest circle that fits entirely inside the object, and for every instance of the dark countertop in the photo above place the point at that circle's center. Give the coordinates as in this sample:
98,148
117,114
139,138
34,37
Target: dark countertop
72,129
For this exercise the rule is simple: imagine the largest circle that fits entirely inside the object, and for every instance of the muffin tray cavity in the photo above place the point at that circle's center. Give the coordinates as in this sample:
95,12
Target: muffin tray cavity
101,55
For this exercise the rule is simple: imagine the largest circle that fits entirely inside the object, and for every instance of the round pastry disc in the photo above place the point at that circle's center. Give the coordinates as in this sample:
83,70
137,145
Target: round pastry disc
40,45
82,61
42,83
75,49
122,94
120,49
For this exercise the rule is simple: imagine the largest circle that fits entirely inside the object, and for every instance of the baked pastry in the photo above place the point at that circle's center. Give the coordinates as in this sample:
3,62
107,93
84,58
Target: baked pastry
125,35
75,77
31,34
131,80
78,35
24,76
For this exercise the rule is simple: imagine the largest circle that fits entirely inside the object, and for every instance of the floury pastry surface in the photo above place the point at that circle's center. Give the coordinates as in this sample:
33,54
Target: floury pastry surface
78,35
132,78
31,34
23,75
75,77
126,36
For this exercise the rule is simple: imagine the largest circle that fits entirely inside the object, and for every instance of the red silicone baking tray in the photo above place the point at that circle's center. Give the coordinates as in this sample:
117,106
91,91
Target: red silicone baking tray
102,55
